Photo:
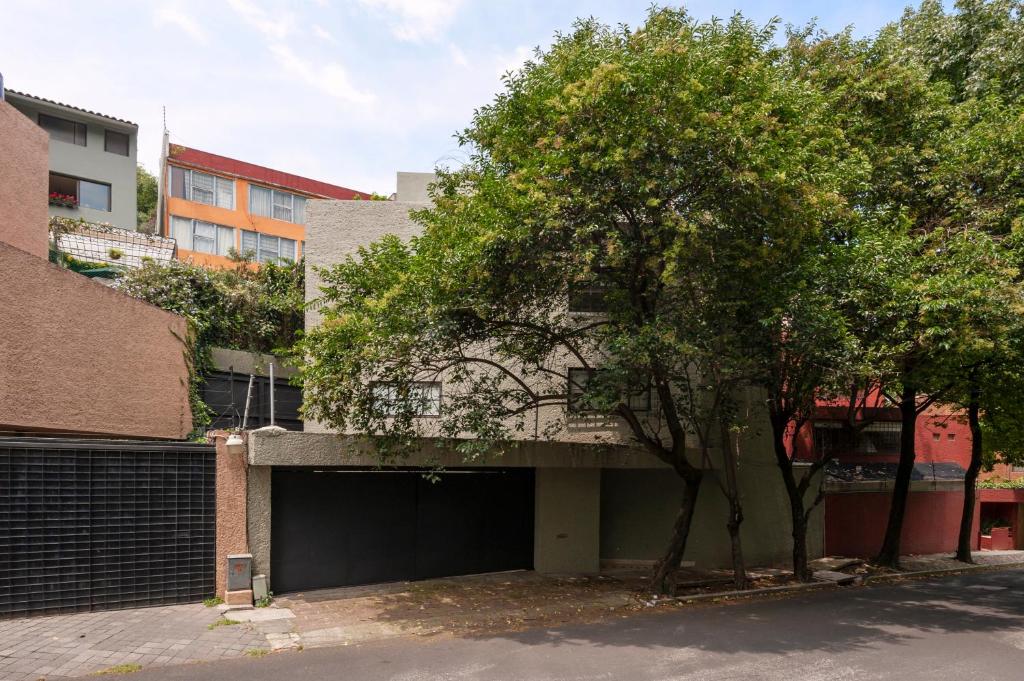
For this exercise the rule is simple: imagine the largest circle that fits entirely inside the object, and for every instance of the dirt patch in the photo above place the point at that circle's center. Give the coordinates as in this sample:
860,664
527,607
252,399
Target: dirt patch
464,606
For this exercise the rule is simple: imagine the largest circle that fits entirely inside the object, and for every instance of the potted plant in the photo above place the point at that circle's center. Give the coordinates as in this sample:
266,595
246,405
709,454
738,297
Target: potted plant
63,200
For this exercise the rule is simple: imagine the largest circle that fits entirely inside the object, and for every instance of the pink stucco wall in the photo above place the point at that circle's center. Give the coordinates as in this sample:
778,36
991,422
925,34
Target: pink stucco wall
24,182
232,536
855,522
78,357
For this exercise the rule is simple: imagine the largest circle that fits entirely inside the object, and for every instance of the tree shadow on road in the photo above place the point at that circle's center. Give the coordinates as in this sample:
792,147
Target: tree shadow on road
834,622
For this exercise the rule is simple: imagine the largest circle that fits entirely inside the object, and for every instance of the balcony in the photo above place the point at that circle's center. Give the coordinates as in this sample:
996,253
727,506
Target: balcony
102,250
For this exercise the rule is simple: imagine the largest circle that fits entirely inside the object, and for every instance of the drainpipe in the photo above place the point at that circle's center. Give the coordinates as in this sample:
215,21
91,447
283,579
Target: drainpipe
1,87
272,393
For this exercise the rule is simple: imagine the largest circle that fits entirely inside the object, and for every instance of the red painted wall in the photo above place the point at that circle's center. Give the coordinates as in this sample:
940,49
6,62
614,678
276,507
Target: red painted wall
855,522
942,437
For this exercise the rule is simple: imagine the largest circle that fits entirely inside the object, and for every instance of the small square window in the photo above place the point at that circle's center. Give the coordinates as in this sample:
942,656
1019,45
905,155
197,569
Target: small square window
936,436
424,398
950,436
115,142
578,380
587,297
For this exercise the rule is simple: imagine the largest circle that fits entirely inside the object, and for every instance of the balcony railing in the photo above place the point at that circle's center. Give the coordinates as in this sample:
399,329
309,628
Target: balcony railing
79,244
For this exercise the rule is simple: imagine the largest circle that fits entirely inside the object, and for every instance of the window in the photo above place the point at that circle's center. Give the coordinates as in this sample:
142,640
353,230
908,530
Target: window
82,193
115,142
266,247
271,203
837,437
204,237
587,297
63,130
639,400
193,185
422,397
94,195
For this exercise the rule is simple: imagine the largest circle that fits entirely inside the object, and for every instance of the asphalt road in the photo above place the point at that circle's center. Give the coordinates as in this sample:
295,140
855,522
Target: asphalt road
967,628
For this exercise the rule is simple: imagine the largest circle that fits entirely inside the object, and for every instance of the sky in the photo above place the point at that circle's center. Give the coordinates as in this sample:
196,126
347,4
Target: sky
344,91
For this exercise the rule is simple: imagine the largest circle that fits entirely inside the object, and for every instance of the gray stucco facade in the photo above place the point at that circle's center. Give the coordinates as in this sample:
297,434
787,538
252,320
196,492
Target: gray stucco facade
91,161
599,498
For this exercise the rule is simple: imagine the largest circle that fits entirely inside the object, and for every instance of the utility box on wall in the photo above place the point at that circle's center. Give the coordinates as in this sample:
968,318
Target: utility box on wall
240,572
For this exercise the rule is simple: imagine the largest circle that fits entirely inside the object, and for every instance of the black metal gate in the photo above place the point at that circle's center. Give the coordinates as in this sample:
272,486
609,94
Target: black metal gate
344,527
224,393
104,524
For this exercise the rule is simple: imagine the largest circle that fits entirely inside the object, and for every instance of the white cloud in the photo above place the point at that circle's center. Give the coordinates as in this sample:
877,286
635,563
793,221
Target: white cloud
276,26
331,78
514,60
416,20
166,15
458,56
322,33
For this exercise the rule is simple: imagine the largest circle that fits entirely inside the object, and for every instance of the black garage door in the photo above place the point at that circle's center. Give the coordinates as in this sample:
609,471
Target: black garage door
339,528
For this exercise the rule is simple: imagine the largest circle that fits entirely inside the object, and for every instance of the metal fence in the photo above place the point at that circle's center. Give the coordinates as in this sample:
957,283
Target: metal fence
104,524
224,393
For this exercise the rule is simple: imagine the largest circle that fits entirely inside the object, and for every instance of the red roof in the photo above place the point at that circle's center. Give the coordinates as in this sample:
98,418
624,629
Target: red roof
261,174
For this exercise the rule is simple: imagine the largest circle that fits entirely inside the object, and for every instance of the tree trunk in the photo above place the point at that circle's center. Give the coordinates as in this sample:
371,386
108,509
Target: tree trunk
889,555
797,514
680,533
730,462
963,545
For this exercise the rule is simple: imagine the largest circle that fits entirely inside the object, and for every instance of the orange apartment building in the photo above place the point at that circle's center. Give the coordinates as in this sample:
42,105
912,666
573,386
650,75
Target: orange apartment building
210,204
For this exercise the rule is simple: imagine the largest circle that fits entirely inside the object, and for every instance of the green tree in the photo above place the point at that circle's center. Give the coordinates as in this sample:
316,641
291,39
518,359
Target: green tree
977,48
145,195
673,169
974,181
942,163
806,353
258,309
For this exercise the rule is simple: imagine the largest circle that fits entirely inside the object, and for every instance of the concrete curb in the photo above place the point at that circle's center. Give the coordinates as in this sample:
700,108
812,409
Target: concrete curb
747,594
918,574
752,593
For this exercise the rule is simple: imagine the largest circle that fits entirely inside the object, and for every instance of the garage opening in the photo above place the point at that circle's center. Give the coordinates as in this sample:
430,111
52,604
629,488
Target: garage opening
344,527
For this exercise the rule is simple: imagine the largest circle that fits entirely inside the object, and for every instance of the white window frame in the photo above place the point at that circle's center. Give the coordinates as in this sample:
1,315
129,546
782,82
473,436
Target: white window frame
284,200
429,397
219,233
260,236
579,377
218,183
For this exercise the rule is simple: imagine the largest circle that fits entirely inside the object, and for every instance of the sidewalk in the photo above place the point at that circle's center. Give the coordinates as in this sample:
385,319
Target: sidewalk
80,644
85,643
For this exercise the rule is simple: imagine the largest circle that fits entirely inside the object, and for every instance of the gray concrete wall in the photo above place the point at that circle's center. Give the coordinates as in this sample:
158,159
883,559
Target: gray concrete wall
593,502
638,508
244,362
567,520
258,518
278,447
414,186
337,229
91,162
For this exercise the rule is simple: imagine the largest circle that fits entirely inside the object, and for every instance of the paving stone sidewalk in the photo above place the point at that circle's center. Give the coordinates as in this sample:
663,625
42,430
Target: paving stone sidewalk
59,646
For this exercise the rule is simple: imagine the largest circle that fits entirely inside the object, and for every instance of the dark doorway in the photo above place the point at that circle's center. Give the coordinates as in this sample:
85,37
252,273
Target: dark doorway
345,527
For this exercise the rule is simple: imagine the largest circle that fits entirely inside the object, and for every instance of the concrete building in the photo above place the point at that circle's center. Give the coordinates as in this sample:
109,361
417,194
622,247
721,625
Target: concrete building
211,204
92,160
321,513
79,357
